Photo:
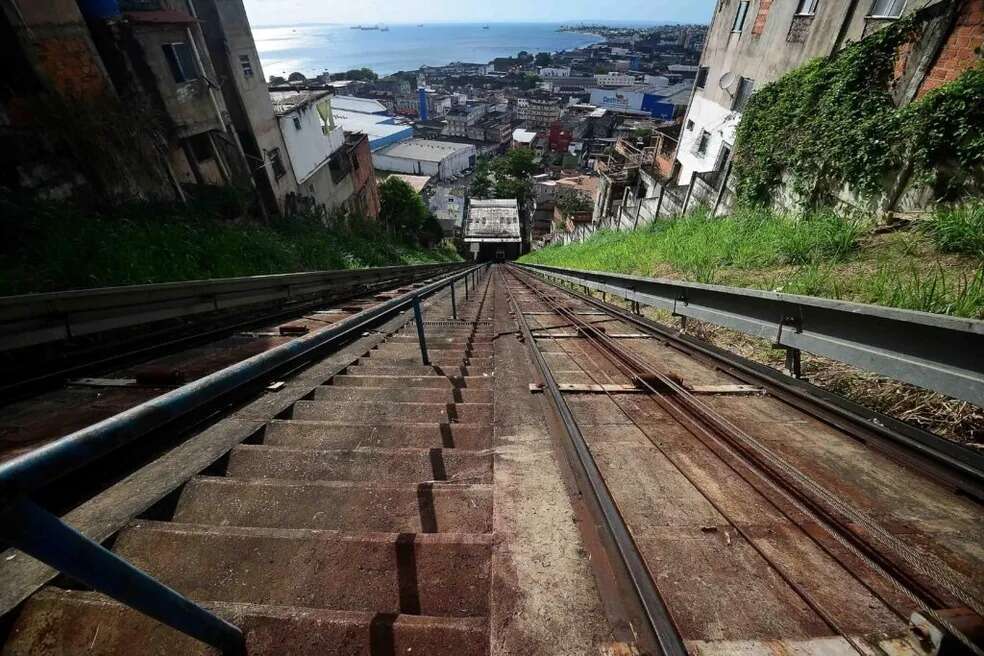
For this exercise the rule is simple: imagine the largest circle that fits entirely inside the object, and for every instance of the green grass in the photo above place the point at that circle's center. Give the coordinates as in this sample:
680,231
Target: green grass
938,268
47,247
959,229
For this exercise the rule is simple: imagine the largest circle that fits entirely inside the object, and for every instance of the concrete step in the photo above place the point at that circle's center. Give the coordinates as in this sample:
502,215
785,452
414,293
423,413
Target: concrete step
406,465
423,574
324,435
412,349
386,411
403,339
337,505
68,623
484,363
427,382
414,370
402,394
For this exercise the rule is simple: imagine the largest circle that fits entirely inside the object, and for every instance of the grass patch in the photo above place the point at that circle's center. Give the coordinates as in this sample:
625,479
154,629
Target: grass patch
55,246
936,268
959,229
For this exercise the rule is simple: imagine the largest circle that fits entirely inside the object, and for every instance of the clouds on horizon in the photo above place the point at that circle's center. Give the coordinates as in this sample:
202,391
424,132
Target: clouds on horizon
284,12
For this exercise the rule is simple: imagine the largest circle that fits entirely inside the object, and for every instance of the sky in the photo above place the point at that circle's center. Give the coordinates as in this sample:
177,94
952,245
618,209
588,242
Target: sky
288,12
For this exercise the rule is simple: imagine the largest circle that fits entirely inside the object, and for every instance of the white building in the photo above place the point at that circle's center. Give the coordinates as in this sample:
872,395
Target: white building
559,71
312,140
442,159
615,79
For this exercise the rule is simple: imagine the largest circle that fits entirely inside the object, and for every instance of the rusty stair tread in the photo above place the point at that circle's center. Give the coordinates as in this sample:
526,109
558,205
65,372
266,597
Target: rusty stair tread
337,505
393,464
70,622
422,574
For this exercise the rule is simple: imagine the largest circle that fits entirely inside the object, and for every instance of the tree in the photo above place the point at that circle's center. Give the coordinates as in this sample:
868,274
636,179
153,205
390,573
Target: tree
507,187
277,80
517,163
401,208
481,185
543,59
296,77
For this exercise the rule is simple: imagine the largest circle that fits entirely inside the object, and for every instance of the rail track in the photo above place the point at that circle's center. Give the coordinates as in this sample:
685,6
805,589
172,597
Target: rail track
488,463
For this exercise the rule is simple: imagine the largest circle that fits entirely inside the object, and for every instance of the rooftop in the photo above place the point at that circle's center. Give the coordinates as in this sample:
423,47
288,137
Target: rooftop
360,105
523,136
285,102
427,150
493,220
416,182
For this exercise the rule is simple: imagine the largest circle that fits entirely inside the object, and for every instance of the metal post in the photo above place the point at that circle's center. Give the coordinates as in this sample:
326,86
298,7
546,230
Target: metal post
454,305
420,330
41,535
793,362
466,286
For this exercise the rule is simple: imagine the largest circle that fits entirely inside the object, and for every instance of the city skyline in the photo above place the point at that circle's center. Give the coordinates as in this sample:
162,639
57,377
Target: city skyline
295,12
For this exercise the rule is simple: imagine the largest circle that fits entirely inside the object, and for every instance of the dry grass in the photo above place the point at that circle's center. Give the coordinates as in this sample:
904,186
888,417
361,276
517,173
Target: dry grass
955,420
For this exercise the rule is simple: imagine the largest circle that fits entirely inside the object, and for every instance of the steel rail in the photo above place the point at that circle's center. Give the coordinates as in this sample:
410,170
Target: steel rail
840,519
702,419
936,352
661,624
34,319
950,462
37,532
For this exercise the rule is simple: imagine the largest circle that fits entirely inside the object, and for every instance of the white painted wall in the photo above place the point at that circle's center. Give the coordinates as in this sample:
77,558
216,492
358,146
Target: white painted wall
719,121
614,79
309,147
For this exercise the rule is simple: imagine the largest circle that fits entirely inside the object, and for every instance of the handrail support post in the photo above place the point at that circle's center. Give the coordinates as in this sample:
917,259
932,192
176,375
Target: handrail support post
41,535
419,319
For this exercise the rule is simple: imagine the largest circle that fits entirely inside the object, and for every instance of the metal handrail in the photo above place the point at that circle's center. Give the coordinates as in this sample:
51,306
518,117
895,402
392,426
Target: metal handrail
936,352
42,535
33,319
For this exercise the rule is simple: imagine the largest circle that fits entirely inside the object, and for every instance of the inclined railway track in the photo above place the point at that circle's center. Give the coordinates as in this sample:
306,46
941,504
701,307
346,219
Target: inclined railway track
920,580
357,505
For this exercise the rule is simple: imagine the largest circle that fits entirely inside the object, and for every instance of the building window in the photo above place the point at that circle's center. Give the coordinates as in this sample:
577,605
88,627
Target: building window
740,16
181,60
297,123
807,7
887,8
702,76
745,88
705,138
276,163
246,65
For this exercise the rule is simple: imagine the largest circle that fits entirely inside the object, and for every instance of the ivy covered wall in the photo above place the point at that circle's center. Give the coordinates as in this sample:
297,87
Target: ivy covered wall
848,121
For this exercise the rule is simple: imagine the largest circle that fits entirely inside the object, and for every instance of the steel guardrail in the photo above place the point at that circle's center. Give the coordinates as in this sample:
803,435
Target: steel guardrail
37,532
34,319
936,352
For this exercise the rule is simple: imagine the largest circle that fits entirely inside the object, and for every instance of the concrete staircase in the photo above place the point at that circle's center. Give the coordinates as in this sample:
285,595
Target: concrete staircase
360,524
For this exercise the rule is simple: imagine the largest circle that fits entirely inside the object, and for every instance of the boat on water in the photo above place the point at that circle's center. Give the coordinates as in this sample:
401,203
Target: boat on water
485,27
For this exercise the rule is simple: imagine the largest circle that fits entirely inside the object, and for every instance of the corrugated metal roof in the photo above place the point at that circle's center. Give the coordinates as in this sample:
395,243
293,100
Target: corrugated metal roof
426,150
493,219
360,105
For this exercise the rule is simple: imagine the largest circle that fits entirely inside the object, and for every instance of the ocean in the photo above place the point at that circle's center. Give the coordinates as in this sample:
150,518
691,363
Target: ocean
313,49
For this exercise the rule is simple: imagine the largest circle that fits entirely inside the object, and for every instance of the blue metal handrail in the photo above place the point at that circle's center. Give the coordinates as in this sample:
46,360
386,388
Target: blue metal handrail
30,528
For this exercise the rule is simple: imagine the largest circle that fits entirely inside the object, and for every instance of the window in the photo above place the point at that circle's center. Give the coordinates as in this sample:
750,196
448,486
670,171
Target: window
690,125
297,123
276,163
181,61
702,77
887,8
246,65
740,16
744,92
705,138
807,7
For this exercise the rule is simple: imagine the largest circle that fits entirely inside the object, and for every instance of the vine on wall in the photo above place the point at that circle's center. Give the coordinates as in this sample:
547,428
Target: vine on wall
833,121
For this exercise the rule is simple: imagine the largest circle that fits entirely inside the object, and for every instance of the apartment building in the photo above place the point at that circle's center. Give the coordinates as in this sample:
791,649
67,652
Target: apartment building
753,42
538,111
